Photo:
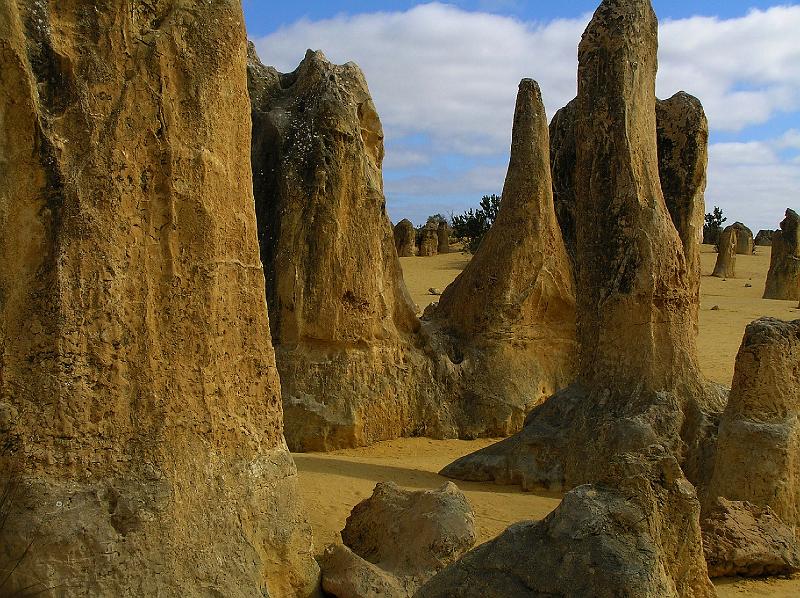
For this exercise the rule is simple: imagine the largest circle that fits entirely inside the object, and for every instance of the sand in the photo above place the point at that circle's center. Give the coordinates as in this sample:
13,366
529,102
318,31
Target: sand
332,483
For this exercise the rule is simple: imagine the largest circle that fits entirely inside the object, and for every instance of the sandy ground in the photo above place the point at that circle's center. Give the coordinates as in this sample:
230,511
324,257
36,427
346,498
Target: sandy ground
332,483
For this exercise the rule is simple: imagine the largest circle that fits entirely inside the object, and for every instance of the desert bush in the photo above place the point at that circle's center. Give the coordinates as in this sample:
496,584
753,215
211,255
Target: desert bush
472,225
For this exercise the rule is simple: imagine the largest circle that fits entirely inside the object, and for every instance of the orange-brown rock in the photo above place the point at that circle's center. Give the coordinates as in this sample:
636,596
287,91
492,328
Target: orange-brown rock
758,448
134,339
443,233
343,324
725,266
783,278
428,241
638,380
405,238
509,317
635,533
682,129
744,239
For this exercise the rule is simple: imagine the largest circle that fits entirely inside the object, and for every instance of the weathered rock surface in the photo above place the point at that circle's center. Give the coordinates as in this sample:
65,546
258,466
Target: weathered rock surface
682,129
635,534
783,278
744,239
398,539
638,378
509,317
725,266
135,349
764,238
428,241
443,233
682,141
342,321
405,238
758,448
742,539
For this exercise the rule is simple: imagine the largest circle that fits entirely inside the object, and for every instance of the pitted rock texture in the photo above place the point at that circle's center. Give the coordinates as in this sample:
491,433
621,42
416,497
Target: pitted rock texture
783,278
725,266
744,239
764,238
742,539
510,315
428,241
638,380
758,448
343,323
405,239
135,356
399,539
634,534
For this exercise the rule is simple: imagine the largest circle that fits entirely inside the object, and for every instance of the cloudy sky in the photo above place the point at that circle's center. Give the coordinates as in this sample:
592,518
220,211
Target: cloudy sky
444,78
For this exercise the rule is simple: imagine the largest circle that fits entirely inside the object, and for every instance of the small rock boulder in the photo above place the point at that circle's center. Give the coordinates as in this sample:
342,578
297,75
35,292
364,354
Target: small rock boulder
397,539
742,539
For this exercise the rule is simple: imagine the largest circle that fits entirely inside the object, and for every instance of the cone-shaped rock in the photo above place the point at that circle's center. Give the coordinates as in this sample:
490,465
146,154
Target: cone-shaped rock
341,317
725,266
517,286
405,239
135,352
783,278
638,378
758,449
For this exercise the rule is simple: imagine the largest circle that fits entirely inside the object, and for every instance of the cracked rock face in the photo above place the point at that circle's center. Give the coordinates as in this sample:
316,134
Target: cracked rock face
783,278
638,380
136,358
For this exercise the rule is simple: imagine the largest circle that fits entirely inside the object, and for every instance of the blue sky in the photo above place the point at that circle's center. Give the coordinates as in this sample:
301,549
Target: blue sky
444,77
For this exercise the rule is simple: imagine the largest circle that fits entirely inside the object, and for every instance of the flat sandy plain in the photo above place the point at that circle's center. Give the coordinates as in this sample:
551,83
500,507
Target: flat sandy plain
333,483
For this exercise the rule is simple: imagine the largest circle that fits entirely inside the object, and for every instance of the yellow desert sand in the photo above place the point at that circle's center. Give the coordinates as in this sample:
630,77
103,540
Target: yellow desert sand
333,483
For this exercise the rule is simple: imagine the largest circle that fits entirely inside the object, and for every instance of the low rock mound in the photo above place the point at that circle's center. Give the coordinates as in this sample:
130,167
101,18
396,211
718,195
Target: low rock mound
398,539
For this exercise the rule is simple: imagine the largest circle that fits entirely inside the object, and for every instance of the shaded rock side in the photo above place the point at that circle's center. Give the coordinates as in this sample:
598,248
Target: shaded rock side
508,320
398,539
562,165
443,235
758,449
742,539
428,241
638,379
783,278
342,319
744,239
635,534
764,238
135,355
682,139
405,238
725,266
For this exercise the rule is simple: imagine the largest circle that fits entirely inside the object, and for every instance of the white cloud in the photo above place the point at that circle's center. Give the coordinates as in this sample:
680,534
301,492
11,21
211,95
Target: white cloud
451,75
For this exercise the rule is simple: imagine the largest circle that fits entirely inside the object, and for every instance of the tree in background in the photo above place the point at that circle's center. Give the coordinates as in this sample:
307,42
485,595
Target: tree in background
713,226
472,225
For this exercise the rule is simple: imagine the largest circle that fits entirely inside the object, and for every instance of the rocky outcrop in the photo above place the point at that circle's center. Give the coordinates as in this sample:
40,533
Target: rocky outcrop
783,278
443,234
508,320
682,129
136,358
744,239
725,266
742,539
343,323
428,241
758,449
764,238
398,539
636,533
405,238
638,379
682,141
